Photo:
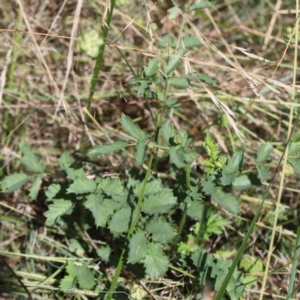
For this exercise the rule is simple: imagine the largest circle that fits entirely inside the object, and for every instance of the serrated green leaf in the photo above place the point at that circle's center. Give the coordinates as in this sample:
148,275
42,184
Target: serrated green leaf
153,186
152,67
191,41
30,161
294,148
228,201
263,172
263,153
190,155
138,246
209,187
75,171
82,186
67,283
242,182
177,157
52,191
226,179
174,61
85,277
200,5
59,208
156,263
13,182
168,131
111,186
65,160
295,162
160,230
140,153
108,148
120,221
160,202
234,163
197,211
179,82
100,208
133,129
143,86
35,187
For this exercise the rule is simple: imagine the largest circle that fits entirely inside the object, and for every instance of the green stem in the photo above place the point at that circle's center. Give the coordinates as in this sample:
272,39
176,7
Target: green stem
99,60
183,217
137,213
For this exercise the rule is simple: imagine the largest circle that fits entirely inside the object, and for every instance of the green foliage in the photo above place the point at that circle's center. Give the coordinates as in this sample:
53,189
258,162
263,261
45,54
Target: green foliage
14,182
108,148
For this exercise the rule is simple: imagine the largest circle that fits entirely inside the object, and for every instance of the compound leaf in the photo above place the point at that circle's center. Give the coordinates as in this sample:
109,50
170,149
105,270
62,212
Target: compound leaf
156,263
133,129
59,208
111,186
108,148
13,182
137,247
30,161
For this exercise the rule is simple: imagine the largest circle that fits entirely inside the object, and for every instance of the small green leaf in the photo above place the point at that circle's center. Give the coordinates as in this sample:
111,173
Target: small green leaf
197,211
191,41
263,153
75,171
176,157
82,186
179,82
226,179
228,201
234,163
152,67
175,61
200,5
173,12
108,148
295,162
160,202
140,154
160,230
202,77
67,283
85,277
263,172
190,155
59,208
138,246
209,187
35,187
120,221
168,131
30,161
156,263
294,148
167,41
242,182
65,160
104,253
53,190
133,129
13,182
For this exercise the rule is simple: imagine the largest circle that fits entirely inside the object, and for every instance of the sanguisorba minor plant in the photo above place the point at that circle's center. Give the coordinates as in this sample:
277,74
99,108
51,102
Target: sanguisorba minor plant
142,209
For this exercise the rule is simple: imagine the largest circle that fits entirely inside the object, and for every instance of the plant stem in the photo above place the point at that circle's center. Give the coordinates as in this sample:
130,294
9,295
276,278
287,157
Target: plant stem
99,60
185,210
